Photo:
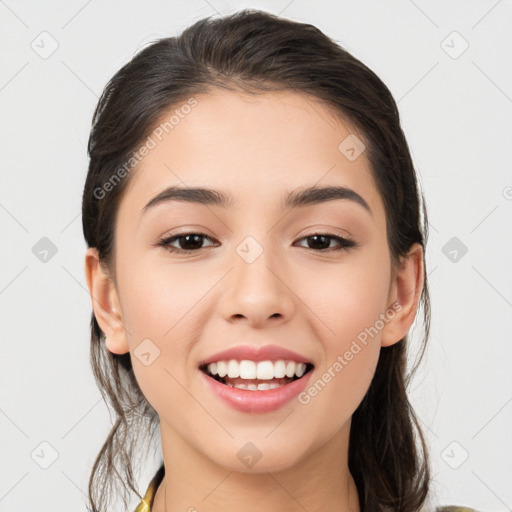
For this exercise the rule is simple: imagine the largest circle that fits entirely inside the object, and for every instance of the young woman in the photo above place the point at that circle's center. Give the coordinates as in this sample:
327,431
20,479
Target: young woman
256,259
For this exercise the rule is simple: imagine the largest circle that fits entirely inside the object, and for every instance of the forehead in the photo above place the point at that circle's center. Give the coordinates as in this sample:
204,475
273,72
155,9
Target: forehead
256,148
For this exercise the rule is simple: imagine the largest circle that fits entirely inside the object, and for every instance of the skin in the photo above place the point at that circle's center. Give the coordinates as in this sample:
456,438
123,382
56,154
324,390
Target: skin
315,303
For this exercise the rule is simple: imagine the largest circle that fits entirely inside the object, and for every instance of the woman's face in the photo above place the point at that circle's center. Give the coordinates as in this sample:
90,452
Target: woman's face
259,277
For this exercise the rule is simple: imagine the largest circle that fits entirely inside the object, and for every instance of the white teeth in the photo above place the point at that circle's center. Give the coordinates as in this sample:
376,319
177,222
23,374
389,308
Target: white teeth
265,370
233,369
257,387
290,369
222,368
279,369
261,370
300,369
247,369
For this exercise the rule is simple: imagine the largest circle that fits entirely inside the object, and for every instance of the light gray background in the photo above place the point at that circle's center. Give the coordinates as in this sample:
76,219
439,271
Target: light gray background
456,114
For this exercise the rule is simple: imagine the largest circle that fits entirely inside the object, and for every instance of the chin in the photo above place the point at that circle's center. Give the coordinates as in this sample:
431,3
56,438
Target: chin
261,457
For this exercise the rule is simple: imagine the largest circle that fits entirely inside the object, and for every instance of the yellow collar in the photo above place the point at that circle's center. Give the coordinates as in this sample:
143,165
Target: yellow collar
147,502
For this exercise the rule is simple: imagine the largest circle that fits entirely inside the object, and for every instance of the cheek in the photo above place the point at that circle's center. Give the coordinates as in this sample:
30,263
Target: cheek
349,304
348,298
158,300
161,309
333,396
350,356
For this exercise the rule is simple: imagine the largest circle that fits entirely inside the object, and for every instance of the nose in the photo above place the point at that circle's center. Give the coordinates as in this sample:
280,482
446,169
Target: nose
258,291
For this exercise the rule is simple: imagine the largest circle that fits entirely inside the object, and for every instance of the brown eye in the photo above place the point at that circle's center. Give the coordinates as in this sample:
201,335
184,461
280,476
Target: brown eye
187,242
322,242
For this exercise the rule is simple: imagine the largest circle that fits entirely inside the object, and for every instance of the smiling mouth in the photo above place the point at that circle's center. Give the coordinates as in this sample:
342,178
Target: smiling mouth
256,384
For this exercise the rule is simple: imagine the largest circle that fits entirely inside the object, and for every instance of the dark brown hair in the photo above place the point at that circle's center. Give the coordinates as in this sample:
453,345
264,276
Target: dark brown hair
255,51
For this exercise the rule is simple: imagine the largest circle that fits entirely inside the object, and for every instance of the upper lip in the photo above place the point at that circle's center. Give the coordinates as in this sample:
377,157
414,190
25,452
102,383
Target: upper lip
256,353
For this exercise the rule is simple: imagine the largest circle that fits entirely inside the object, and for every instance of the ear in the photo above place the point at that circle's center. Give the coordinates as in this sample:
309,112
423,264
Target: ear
105,303
405,292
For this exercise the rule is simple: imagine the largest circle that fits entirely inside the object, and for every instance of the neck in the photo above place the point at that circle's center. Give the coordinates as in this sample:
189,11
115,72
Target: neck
319,481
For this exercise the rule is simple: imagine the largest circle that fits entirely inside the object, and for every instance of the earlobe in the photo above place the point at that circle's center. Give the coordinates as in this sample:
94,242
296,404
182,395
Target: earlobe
105,303
406,289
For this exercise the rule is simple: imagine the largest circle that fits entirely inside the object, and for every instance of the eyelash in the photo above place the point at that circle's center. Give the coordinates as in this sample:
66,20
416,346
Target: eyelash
345,244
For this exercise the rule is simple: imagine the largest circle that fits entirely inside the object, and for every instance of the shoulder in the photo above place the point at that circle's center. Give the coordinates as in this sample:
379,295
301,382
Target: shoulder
432,507
455,508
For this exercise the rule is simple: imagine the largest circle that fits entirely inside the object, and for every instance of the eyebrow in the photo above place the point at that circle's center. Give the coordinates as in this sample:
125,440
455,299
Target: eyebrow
295,199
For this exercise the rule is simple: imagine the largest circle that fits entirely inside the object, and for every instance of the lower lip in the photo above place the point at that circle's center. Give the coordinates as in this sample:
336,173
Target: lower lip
267,400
